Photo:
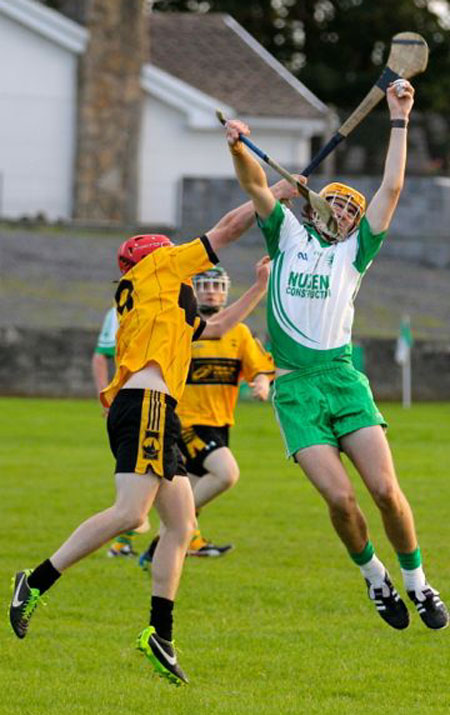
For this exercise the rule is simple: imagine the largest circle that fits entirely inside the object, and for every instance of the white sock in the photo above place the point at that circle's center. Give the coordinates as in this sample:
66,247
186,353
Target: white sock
374,571
414,579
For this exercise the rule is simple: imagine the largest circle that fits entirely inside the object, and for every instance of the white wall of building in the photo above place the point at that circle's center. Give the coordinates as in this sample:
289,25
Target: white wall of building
37,123
170,149
180,136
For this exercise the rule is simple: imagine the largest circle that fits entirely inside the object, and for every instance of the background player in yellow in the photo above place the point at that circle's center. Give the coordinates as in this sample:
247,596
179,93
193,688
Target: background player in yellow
158,320
209,399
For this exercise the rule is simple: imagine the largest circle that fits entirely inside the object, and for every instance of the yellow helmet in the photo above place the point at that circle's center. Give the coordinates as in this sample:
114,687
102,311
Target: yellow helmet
353,199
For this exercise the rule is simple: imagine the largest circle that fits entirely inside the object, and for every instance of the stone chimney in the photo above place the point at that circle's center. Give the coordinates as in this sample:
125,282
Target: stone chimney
109,111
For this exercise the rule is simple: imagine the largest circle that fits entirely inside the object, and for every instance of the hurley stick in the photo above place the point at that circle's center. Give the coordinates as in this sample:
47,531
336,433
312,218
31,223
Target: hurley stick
320,205
407,58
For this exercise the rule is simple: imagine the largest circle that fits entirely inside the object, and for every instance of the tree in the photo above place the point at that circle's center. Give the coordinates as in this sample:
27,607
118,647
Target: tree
337,47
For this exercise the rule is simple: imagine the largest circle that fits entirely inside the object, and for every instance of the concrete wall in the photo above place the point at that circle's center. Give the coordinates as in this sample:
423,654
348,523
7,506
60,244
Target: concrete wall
430,367
56,363
37,123
53,363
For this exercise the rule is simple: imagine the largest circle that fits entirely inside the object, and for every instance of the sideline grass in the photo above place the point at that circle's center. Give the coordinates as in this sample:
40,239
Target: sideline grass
282,625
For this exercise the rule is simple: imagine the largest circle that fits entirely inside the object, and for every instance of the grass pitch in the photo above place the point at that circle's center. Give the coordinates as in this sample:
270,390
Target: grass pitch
282,625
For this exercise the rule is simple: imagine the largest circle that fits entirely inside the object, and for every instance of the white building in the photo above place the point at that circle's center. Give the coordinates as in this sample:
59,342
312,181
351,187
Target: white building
198,63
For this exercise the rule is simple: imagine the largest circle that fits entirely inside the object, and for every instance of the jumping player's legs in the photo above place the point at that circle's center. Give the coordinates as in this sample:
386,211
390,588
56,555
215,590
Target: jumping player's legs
135,495
175,506
315,410
323,467
369,451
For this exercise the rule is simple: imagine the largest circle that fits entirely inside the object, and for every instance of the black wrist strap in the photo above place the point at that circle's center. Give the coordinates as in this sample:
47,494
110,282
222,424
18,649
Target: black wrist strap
399,123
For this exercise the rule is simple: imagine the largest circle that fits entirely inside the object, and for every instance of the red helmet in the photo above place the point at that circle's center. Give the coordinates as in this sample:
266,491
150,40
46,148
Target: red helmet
134,249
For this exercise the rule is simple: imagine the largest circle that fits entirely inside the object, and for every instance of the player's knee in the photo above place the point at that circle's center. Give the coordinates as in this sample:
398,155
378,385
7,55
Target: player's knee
231,475
342,504
129,516
183,530
386,495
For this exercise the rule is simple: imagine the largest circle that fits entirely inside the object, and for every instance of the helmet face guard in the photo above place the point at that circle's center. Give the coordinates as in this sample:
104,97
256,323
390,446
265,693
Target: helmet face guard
350,203
214,282
134,249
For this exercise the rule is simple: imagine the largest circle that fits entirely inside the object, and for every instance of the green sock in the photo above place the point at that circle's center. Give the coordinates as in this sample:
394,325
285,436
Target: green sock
372,569
363,556
412,571
410,561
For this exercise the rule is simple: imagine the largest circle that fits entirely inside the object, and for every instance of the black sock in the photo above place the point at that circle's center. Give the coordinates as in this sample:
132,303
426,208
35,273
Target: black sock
161,616
43,576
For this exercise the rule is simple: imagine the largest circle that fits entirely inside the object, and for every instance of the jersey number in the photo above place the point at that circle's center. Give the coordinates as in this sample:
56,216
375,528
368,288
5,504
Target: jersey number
124,296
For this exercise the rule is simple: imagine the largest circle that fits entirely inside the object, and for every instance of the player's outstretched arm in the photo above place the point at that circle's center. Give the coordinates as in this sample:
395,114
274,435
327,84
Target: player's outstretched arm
400,98
227,318
249,172
239,220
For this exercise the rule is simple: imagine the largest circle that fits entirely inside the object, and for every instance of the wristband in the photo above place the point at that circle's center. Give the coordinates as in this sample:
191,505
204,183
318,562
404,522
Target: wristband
399,123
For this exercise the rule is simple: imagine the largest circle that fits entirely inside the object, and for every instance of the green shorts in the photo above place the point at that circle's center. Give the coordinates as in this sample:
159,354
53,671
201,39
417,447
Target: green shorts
320,405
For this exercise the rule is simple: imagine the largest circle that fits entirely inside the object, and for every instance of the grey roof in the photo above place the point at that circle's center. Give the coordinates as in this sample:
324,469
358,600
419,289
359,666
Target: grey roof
214,54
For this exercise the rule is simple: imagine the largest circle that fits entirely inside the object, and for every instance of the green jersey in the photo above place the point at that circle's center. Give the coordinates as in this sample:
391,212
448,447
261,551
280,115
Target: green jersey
106,341
312,288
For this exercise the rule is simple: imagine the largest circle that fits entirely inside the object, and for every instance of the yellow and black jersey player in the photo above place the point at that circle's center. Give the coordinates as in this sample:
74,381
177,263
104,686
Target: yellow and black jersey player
158,319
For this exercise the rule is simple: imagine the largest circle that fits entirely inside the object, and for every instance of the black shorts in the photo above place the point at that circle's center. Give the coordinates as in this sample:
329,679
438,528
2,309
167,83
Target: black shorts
143,432
198,441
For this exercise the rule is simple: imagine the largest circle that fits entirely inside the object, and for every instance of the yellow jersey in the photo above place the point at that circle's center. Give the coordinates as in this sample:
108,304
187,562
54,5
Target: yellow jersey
157,313
216,368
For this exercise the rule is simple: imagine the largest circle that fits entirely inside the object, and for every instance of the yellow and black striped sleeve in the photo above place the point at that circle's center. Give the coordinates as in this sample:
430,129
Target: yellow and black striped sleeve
193,257
199,326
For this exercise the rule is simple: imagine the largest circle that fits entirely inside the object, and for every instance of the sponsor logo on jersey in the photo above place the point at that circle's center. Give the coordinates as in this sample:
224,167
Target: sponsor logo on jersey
214,371
302,256
308,285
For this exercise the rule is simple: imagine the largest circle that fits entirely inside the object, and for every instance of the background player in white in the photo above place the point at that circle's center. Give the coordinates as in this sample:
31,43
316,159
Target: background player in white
322,403
105,350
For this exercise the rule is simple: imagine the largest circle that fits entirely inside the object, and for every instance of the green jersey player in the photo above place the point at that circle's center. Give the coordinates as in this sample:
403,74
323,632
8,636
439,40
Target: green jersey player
323,404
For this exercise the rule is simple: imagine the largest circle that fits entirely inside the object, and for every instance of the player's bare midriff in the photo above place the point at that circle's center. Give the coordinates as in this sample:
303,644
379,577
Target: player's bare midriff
279,371
149,378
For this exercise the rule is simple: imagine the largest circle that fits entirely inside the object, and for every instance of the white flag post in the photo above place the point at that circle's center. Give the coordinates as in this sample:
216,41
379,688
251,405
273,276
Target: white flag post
403,358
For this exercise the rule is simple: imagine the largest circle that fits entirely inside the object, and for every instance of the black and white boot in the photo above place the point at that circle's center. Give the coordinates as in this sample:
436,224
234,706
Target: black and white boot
430,608
388,603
